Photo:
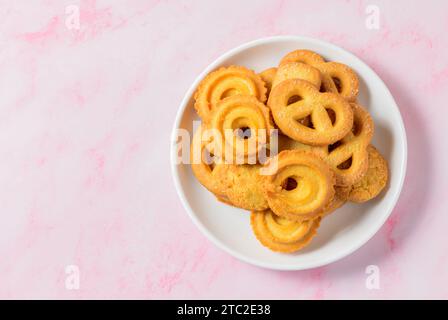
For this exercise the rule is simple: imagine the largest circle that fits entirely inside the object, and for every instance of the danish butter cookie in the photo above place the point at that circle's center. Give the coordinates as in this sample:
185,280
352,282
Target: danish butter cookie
233,117
293,99
224,199
281,234
226,82
268,76
336,77
297,70
298,184
373,181
349,157
340,197
242,185
204,163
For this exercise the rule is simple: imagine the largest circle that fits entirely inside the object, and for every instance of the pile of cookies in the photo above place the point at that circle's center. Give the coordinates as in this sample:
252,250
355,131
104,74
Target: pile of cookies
321,158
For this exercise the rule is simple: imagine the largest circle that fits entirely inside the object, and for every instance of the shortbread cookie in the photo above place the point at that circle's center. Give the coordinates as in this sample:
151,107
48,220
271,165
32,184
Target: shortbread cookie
297,70
349,157
298,183
336,77
281,234
268,76
204,163
233,117
373,181
242,185
292,100
226,82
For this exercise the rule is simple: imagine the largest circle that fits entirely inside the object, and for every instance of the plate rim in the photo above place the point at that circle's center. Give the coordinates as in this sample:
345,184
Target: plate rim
209,235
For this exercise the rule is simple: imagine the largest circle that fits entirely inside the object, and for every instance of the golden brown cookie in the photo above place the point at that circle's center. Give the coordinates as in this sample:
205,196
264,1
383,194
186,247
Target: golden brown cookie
336,77
224,199
349,157
340,197
280,234
226,82
323,157
204,162
268,76
242,185
298,184
292,100
297,70
232,119
373,181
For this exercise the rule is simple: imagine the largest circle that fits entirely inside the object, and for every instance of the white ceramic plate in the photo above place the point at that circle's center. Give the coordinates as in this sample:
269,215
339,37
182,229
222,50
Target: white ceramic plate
344,231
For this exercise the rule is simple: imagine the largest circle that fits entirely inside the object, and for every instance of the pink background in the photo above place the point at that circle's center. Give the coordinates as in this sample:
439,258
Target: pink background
85,121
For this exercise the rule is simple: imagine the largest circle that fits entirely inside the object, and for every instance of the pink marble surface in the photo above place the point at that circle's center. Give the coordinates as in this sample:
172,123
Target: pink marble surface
85,120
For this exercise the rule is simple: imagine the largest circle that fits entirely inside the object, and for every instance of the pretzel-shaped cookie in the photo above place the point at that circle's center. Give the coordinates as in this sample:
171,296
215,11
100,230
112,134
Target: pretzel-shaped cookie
299,184
280,234
336,77
234,115
292,100
349,157
226,82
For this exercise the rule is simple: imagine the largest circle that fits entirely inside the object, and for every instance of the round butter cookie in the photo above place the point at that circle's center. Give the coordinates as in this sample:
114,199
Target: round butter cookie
242,185
244,126
375,179
298,184
226,82
281,234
